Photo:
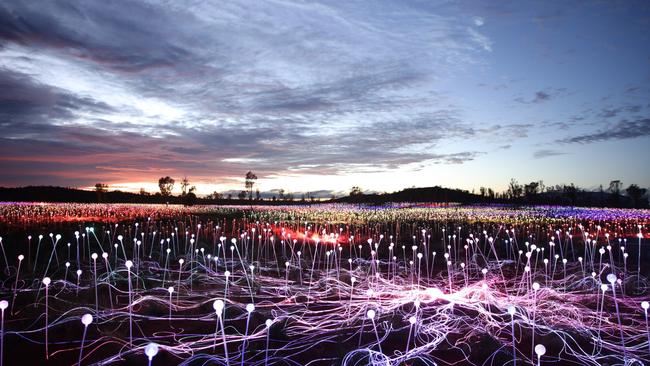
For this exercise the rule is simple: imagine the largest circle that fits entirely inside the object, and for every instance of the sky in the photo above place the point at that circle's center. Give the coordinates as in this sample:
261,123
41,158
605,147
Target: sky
322,96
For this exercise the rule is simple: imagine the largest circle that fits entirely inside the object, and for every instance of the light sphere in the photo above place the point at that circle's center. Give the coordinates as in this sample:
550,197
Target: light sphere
371,314
611,278
218,306
46,281
128,264
250,308
412,320
151,350
540,350
3,304
645,305
170,289
512,310
86,319
268,323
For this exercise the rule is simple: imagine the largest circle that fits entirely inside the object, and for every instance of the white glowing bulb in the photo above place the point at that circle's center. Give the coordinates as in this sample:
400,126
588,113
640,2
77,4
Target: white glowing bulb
151,350
611,278
218,306
86,319
371,314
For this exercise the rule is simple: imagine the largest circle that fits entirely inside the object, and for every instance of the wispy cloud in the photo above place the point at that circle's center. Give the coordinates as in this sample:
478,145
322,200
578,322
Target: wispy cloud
622,130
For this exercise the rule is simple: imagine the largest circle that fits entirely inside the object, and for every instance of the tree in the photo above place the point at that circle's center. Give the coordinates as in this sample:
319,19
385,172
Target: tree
214,196
514,189
143,192
257,194
249,183
356,191
166,185
490,193
190,197
100,188
636,194
531,189
281,194
615,187
571,192
184,184
241,195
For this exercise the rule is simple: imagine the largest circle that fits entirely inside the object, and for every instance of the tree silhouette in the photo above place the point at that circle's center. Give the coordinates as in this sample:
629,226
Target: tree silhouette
514,189
166,185
184,184
100,188
636,194
250,182
615,187
356,191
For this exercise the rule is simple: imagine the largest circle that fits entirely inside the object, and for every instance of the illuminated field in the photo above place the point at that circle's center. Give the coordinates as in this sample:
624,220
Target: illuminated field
324,285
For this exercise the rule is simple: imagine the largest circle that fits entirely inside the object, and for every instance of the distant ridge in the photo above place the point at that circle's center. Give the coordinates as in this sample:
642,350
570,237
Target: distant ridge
426,194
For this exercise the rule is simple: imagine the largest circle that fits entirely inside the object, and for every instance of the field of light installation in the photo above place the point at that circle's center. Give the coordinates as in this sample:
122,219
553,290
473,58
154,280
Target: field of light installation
323,285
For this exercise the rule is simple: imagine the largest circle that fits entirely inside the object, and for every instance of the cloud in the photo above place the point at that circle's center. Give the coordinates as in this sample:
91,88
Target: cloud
545,153
613,112
622,130
541,96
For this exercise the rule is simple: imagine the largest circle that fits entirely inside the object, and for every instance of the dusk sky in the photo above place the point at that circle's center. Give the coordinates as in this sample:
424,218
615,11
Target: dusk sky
324,95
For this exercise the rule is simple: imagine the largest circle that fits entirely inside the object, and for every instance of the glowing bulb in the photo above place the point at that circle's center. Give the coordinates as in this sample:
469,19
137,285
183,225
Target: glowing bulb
611,278
218,306
87,319
151,350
